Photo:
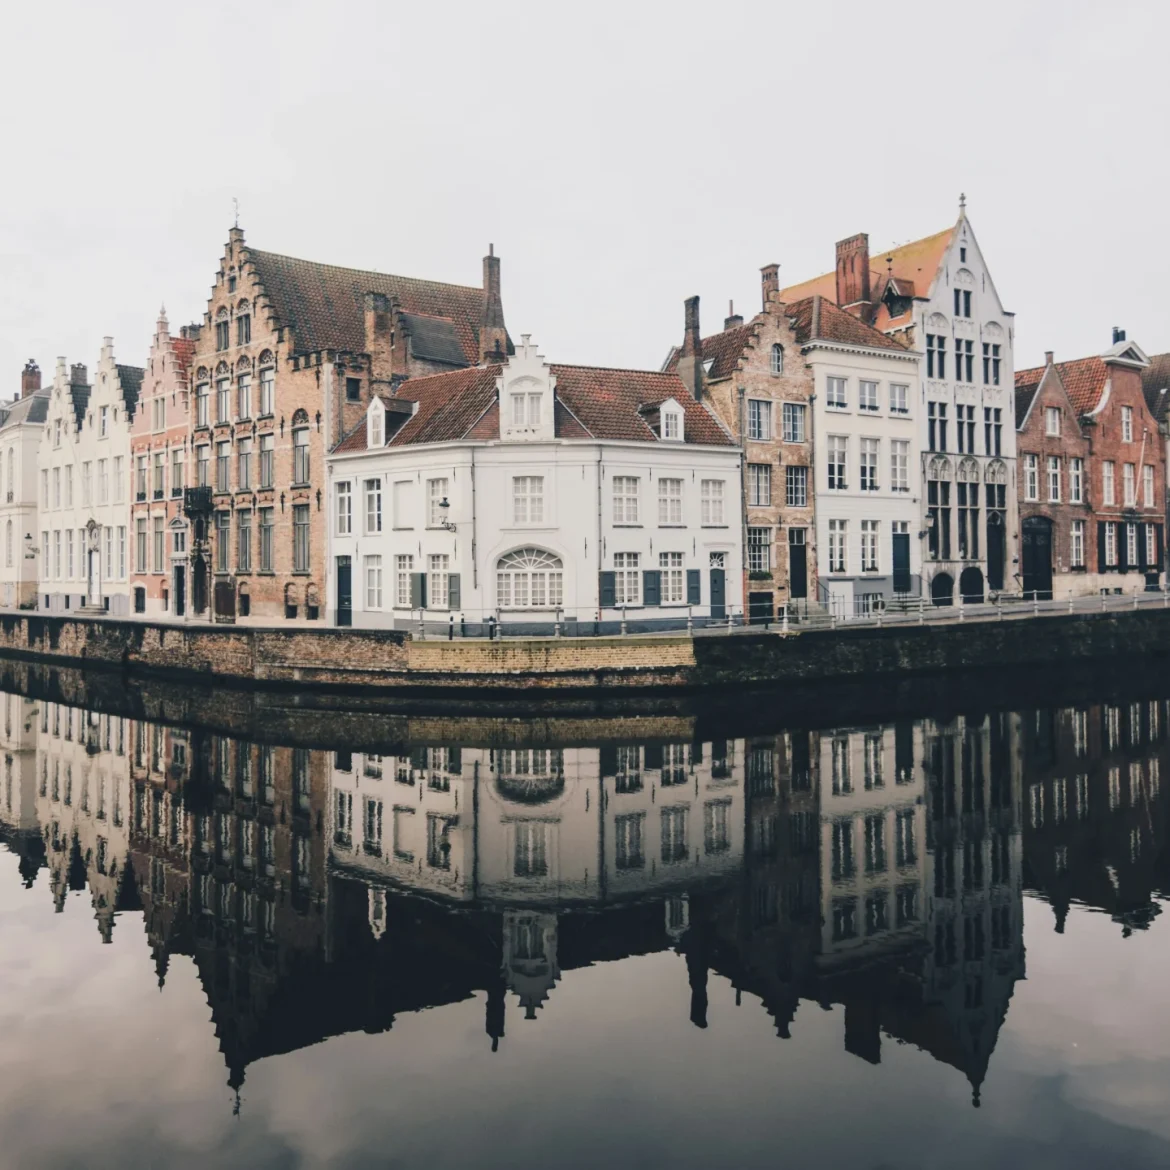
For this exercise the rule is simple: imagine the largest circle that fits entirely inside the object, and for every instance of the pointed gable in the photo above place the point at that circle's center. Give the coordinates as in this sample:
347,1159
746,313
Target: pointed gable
1083,380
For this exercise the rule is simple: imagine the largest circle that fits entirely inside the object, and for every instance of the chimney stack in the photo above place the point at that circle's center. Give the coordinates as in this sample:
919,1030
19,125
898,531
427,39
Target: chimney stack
690,362
493,335
30,379
769,281
78,375
1118,335
733,318
853,292
1048,357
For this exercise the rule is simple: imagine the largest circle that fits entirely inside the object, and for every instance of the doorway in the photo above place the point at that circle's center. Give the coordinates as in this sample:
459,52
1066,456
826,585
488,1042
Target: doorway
798,563
996,551
344,591
901,563
971,586
179,590
942,589
718,593
1036,558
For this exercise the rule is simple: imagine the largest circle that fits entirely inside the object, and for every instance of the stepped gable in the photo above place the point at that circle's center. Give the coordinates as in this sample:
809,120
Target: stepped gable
324,306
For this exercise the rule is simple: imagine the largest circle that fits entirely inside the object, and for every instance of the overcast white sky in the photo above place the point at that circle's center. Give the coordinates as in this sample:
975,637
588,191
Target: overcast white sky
620,156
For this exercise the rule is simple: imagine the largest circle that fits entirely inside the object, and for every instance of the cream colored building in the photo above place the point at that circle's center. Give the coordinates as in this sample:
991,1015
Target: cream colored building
21,425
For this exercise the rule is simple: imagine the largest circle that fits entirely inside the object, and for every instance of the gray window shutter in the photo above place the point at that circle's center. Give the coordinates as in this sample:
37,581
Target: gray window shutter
418,591
453,594
607,590
651,587
694,583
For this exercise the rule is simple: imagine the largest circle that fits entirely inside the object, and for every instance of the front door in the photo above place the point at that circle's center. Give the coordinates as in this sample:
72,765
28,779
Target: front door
996,552
179,591
901,562
344,592
1036,558
718,593
797,563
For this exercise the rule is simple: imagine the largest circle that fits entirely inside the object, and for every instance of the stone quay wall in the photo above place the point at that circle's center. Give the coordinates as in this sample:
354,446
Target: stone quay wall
390,661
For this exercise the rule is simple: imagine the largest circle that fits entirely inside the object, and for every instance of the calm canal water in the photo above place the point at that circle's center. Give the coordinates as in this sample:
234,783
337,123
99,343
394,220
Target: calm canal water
931,941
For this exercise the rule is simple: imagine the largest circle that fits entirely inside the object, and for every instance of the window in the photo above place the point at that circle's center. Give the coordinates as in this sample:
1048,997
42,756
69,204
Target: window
938,515
835,394
373,582
1053,479
56,487
103,422
267,387
965,429
837,537
436,497
159,475
869,465
1148,485
625,499
1127,424
243,329
438,581
69,553
267,450
223,400
243,540
1128,485
628,841
223,540
1110,543
121,552
1152,545
759,484
869,546
711,502
670,511
990,364
777,362
796,487
838,454
529,579
1076,552
301,455
45,488
627,579
68,487
899,399
403,568
300,537
1076,481
373,489
793,417
159,543
936,426
936,356
528,499
223,334
759,420
670,566
964,361
968,501
1052,420
203,466
1131,544
867,396
1031,477
344,497
674,835
140,478
1108,495
962,302
223,454
353,389
899,465
526,410
202,417
759,552
139,545
244,466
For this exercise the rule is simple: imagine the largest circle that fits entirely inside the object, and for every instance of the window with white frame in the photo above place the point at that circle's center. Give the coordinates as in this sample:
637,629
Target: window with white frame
1110,543
776,364
1128,484
759,551
1052,420
344,496
759,484
868,481
793,418
529,578
525,409
267,388
1076,481
627,579
711,501
670,567
672,423
838,532
1031,477
1108,492
377,428
373,582
837,461
373,490
835,394
1148,485
1076,550
899,465
1127,424
438,581
759,419
899,398
436,496
403,568
796,486
625,499
1053,479
1152,546
867,395
528,499
670,502
1131,544
869,546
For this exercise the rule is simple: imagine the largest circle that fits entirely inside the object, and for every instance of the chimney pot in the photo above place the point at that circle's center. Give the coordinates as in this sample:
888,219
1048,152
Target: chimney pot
1118,334
78,374
733,318
1048,357
30,379
769,281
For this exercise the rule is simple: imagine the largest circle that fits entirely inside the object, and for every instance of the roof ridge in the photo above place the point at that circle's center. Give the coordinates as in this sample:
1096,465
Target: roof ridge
362,271
615,369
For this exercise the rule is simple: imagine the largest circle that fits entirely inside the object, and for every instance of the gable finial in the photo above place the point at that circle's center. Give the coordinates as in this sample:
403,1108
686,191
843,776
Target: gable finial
236,211
962,203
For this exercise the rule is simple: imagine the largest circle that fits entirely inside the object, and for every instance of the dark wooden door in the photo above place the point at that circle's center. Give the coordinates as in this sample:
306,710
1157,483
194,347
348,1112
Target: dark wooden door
344,592
797,564
901,562
180,590
996,542
1036,557
718,593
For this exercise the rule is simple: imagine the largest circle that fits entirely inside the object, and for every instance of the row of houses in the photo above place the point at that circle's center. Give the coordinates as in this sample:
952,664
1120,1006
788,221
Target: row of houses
344,447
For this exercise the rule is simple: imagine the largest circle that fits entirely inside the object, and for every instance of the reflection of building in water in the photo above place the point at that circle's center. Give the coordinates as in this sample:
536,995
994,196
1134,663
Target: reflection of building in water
19,824
1094,815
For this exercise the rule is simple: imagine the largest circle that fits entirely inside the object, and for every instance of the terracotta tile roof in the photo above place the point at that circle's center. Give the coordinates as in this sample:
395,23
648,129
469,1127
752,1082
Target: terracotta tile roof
1084,380
324,305
591,403
723,351
184,349
1155,379
819,319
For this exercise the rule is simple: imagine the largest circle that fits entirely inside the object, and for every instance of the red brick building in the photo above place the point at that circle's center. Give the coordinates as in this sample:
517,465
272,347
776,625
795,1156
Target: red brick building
1092,475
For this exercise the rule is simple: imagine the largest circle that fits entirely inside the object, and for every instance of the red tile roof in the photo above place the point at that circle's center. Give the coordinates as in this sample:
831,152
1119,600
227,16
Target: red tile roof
816,318
590,403
325,308
1084,380
184,349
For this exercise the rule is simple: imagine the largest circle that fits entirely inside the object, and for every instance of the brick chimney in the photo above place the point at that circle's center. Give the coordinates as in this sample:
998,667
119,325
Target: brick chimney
733,318
769,281
30,379
853,276
78,374
690,362
493,334
379,322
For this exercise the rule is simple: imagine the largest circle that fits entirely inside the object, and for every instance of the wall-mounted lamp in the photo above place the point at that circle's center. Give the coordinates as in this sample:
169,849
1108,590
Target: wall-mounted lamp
444,509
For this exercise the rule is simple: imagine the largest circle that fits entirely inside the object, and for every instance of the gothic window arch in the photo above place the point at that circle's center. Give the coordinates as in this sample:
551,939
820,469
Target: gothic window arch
300,418
243,365
530,578
997,472
777,360
968,471
222,370
267,358
243,307
938,469
201,373
222,315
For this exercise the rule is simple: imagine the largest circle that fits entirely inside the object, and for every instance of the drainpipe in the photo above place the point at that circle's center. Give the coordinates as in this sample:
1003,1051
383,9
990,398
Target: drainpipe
741,391
474,543
598,577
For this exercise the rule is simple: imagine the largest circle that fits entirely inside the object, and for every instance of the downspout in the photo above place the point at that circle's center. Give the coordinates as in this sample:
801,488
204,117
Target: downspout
812,497
598,577
741,391
474,545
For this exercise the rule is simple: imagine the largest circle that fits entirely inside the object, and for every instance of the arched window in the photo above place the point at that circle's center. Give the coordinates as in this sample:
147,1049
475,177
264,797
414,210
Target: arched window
938,469
777,360
529,578
8,544
996,472
968,471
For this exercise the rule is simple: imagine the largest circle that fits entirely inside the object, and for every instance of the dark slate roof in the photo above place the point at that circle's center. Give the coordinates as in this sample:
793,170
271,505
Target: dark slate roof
1024,397
325,305
433,339
1155,380
591,402
130,379
33,409
80,396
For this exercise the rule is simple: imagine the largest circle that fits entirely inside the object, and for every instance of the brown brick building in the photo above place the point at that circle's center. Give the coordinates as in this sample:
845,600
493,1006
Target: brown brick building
1092,475
286,361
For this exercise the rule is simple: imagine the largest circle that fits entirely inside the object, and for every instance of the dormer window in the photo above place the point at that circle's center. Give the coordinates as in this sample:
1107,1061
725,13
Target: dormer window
376,436
707,367
526,410
777,363
670,421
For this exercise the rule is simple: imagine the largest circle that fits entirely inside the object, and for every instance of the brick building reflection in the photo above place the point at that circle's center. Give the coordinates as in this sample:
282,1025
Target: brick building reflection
880,868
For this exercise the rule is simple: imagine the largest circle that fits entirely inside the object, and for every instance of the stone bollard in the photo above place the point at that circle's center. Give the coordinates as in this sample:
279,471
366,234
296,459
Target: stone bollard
962,609
1035,602
624,630
690,621
784,623
921,609
1070,601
